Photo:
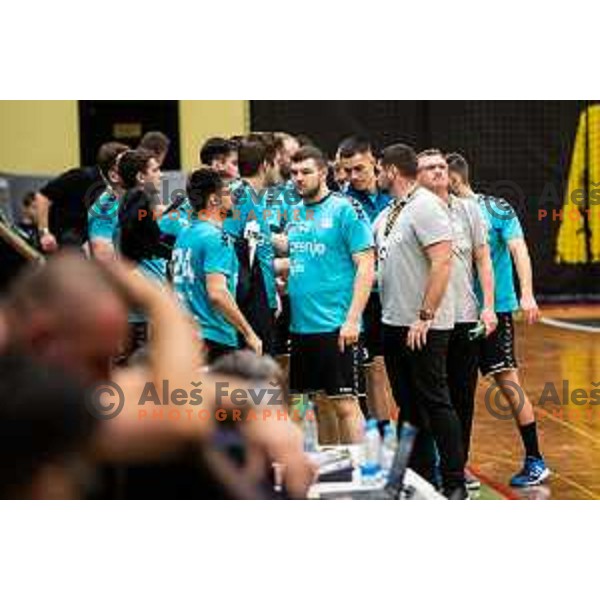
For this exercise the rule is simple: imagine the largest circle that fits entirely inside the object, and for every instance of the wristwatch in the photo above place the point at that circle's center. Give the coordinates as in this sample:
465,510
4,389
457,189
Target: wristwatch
426,314
43,231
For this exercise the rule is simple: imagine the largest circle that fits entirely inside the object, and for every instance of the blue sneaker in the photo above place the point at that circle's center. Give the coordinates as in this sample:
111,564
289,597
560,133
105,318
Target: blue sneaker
534,472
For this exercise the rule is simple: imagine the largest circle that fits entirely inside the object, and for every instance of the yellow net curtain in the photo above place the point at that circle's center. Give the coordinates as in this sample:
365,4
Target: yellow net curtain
571,245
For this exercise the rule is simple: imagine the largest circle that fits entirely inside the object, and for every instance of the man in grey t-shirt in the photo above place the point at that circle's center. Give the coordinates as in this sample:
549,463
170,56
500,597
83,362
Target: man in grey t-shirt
414,244
469,250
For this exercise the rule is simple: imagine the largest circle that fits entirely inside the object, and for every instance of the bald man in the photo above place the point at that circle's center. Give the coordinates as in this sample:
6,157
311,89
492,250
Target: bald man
66,313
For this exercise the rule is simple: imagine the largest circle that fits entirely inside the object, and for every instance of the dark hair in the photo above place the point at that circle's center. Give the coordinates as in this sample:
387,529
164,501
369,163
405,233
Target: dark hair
310,152
27,199
108,154
156,142
402,157
201,184
251,155
236,140
131,163
280,138
304,140
43,419
215,148
430,152
457,163
355,144
269,141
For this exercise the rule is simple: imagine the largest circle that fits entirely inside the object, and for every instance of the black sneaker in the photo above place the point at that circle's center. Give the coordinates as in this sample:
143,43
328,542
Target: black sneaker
458,493
471,482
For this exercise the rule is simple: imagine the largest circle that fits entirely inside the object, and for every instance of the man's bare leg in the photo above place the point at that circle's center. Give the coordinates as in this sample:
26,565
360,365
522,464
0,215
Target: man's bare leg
327,421
510,388
349,417
379,394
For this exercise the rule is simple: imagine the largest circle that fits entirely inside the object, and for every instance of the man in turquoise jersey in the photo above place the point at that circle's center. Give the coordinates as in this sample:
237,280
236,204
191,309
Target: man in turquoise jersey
220,155
247,224
331,271
103,215
205,268
497,359
357,160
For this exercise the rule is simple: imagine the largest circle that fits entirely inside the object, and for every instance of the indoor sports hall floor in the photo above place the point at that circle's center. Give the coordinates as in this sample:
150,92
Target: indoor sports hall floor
569,433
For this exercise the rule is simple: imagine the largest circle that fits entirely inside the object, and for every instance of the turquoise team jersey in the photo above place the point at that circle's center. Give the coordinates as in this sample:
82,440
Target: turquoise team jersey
372,203
173,222
248,206
103,217
322,240
503,225
202,249
281,200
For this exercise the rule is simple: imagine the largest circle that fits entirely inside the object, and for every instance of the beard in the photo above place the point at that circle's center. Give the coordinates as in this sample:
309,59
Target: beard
310,193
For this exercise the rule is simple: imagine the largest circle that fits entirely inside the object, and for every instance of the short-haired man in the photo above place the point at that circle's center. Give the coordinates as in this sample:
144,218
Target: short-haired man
205,268
497,358
221,155
66,313
138,236
157,143
103,215
257,293
62,204
357,160
414,242
286,146
471,253
330,278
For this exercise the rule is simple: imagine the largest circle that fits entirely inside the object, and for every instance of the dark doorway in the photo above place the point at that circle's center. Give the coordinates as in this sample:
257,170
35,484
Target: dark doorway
126,121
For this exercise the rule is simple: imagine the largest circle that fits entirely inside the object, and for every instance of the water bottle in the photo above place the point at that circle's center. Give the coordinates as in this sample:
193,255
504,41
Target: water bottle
370,468
311,435
388,448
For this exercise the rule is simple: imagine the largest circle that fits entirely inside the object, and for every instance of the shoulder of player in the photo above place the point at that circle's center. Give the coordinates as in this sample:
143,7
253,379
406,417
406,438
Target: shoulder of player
466,205
495,206
343,202
104,205
424,200
203,233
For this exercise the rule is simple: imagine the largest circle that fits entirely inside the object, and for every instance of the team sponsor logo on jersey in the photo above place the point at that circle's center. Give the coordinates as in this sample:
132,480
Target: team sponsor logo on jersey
311,248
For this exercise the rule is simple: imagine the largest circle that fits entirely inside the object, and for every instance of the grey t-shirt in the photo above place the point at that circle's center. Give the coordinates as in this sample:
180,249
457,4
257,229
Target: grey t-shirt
403,263
469,231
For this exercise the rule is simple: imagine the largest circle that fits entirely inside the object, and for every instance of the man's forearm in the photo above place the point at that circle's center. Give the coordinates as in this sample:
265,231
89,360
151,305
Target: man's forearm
280,244
486,275
520,254
363,284
437,283
42,208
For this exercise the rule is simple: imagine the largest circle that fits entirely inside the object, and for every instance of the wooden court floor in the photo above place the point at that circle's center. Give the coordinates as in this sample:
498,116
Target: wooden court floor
568,424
